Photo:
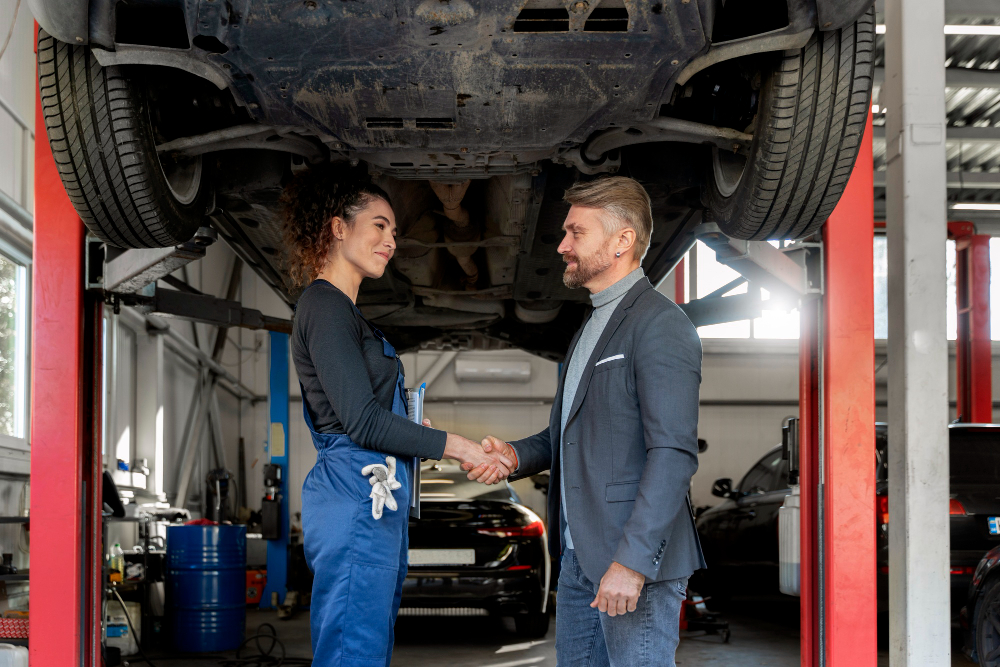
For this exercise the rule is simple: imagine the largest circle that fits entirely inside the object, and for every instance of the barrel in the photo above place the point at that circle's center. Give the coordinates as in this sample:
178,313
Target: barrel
206,587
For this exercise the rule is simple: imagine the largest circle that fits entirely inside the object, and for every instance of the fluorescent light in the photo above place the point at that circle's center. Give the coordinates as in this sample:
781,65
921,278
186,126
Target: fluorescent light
993,30
975,206
954,29
875,108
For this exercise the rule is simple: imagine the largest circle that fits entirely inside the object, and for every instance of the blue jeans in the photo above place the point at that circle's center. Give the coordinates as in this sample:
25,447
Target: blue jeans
585,637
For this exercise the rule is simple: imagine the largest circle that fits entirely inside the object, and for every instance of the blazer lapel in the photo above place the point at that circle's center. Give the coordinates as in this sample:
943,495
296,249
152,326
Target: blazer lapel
616,319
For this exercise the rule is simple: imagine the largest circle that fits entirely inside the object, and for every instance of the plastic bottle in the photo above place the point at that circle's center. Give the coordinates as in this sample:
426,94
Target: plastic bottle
117,562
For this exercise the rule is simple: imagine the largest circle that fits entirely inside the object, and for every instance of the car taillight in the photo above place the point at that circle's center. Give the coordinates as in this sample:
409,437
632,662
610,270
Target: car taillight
516,568
533,529
956,508
882,511
963,569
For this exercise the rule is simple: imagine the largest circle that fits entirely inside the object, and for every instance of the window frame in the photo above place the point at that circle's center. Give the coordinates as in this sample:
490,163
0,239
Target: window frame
16,449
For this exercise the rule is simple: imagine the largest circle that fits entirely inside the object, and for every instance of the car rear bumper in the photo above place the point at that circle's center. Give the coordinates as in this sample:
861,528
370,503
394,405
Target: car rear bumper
497,592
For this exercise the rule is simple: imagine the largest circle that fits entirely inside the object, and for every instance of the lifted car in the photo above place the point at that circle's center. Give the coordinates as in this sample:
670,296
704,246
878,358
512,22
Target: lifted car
474,116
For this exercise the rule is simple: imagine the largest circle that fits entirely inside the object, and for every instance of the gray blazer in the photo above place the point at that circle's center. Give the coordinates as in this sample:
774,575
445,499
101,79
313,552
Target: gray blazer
631,444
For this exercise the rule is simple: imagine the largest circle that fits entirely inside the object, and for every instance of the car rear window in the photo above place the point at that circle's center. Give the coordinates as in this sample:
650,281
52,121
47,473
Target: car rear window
975,456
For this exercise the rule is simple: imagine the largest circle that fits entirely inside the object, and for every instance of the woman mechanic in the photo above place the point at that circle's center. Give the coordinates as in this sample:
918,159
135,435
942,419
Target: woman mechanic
340,229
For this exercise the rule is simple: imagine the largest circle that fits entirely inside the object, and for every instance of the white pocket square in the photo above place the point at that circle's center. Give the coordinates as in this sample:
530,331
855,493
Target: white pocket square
602,361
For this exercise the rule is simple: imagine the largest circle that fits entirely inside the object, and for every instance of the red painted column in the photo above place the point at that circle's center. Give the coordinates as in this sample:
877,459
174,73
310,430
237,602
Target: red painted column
679,278
849,422
62,580
809,359
973,353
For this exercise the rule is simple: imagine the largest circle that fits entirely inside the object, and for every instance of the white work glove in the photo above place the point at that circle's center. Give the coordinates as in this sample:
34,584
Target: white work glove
383,481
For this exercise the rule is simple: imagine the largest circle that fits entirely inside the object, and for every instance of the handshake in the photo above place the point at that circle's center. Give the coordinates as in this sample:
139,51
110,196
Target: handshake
488,462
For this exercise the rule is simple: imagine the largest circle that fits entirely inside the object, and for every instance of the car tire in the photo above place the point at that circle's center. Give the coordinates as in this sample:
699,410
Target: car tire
532,625
812,112
97,121
987,636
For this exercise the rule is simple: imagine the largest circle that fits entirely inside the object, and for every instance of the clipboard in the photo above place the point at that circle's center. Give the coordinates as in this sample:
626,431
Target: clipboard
415,411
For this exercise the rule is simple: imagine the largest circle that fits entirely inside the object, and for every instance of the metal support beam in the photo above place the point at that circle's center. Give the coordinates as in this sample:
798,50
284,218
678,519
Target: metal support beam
959,77
759,261
920,631
128,271
204,308
848,408
717,310
277,449
973,353
440,364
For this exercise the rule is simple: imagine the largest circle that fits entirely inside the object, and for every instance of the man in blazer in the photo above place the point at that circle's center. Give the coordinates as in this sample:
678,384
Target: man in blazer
622,444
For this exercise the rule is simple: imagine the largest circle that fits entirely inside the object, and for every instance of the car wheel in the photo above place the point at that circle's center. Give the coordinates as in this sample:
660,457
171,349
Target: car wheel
532,625
97,121
987,619
812,112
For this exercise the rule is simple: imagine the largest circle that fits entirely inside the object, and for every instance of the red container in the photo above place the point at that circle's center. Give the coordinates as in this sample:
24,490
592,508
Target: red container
255,585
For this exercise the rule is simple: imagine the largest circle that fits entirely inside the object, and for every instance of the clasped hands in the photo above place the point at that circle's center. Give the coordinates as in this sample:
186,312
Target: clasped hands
482,461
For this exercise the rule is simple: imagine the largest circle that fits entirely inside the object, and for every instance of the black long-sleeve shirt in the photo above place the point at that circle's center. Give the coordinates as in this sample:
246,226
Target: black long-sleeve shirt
348,382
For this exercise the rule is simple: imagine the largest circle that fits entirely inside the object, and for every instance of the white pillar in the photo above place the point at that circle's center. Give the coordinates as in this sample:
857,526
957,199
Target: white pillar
149,407
920,628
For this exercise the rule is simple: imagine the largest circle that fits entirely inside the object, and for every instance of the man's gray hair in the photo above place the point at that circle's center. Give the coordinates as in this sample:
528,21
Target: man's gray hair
624,203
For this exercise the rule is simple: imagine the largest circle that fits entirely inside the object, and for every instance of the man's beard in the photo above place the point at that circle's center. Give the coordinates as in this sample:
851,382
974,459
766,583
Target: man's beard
586,268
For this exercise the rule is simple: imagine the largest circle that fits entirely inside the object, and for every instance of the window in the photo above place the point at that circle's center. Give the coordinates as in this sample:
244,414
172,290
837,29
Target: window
882,289
14,304
770,474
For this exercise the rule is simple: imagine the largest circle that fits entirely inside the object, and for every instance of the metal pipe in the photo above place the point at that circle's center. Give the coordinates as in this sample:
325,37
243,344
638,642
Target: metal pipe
441,363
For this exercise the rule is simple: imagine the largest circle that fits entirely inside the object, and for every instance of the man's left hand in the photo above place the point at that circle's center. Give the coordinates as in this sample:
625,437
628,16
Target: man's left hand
620,590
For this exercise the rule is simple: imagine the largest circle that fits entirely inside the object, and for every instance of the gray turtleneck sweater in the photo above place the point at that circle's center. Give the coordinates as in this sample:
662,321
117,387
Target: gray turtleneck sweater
604,303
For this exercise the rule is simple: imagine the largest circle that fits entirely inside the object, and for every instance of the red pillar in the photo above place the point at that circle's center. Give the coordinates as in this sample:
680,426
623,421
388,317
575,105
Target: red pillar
65,510
809,359
849,422
679,277
973,353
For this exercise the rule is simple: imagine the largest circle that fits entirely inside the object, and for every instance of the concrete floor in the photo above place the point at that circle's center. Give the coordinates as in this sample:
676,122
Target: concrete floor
763,633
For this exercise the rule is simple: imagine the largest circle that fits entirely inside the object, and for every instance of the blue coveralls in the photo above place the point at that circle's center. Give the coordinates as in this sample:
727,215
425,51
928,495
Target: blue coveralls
358,562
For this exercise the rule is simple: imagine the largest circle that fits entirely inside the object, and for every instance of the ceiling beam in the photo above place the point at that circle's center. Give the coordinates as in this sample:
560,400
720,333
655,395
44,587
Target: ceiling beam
958,77
969,180
979,135
957,8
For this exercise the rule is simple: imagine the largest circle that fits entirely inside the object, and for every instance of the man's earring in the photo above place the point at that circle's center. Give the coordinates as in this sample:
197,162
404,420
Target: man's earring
618,254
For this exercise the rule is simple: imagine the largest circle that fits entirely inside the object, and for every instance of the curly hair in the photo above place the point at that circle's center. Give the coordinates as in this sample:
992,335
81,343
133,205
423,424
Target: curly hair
310,201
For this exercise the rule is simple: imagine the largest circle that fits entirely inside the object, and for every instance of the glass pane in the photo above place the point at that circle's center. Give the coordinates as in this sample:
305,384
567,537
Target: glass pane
11,367
881,270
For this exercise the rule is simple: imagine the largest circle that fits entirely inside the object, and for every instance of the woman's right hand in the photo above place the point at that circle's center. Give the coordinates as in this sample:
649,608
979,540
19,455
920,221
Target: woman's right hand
471,455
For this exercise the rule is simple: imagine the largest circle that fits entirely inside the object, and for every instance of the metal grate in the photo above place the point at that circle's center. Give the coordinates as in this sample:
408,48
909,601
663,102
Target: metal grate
607,19
555,19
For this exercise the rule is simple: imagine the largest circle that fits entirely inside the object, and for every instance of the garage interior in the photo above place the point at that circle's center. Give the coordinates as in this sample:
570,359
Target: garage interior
181,400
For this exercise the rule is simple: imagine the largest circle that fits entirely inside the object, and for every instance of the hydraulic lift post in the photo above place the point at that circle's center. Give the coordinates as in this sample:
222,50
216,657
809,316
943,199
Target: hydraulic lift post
65,583
837,412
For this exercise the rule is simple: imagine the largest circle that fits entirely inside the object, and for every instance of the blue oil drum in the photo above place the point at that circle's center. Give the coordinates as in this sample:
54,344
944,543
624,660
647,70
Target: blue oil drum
206,587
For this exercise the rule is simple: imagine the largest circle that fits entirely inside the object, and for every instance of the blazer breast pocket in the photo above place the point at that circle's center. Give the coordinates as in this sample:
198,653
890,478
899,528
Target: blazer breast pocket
621,492
610,363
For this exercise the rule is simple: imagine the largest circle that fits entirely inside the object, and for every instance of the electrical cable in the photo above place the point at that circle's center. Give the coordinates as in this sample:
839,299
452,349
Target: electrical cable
264,658
132,628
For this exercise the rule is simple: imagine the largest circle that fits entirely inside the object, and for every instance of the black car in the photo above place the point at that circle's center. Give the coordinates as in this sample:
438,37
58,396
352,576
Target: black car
169,115
740,535
476,551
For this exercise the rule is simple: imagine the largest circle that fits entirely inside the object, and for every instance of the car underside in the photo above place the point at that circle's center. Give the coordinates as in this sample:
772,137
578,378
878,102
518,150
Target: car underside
170,115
